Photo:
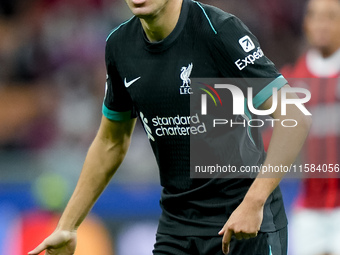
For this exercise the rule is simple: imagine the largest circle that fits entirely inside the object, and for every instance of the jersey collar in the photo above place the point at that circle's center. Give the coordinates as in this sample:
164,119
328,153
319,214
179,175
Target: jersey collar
170,39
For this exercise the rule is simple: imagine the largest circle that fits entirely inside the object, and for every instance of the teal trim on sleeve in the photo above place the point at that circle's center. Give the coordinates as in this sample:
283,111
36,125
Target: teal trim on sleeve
267,91
248,118
116,116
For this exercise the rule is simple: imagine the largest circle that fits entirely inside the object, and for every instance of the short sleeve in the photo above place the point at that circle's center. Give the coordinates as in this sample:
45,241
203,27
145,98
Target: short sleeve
240,56
117,103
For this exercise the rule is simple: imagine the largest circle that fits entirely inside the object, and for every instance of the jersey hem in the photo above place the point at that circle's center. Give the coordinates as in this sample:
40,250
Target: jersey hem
207,229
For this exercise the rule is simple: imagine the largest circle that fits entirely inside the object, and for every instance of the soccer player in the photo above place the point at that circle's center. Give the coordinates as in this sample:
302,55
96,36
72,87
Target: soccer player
150,60
315,223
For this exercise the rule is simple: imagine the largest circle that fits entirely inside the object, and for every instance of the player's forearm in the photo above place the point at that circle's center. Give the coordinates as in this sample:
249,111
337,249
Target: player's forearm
103,159
100,164
284,147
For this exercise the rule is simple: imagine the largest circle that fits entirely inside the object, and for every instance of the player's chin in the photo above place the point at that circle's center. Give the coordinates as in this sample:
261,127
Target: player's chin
142,13
322,46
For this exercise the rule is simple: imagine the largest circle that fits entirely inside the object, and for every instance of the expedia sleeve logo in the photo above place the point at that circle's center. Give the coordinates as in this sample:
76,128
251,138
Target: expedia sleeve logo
246,44
249,60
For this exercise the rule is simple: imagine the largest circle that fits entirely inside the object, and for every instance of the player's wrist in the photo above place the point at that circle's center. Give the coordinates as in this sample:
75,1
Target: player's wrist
67,234
66,230
65,226
254,201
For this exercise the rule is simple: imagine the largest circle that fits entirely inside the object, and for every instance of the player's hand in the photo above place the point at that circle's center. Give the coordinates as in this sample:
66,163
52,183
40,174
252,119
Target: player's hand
60,242
243,223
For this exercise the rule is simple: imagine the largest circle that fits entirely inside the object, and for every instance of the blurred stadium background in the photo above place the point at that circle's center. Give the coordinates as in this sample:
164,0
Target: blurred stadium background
52,77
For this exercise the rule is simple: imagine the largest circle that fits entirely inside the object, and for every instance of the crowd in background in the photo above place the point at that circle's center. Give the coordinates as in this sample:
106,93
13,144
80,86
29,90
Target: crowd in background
52,80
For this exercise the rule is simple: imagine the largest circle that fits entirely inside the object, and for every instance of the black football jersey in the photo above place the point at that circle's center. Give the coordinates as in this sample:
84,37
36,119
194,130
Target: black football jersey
152,81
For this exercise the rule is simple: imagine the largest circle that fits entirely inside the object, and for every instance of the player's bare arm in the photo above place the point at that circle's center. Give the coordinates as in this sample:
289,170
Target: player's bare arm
103,159
284,147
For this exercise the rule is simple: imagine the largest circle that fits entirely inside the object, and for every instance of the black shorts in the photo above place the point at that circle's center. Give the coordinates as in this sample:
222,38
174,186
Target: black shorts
272,243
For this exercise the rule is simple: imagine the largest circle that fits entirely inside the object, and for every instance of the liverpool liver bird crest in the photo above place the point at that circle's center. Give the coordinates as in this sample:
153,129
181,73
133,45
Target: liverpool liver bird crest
185,74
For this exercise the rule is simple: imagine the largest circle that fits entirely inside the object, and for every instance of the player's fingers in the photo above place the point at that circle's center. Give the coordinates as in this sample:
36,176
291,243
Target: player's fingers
226,240
243,235
252,235
239,235
38,249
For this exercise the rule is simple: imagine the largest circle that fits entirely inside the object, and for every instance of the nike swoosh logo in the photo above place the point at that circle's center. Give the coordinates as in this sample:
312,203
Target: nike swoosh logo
128,84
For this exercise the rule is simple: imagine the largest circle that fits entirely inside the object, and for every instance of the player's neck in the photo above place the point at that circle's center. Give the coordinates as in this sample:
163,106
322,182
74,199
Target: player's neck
161,25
